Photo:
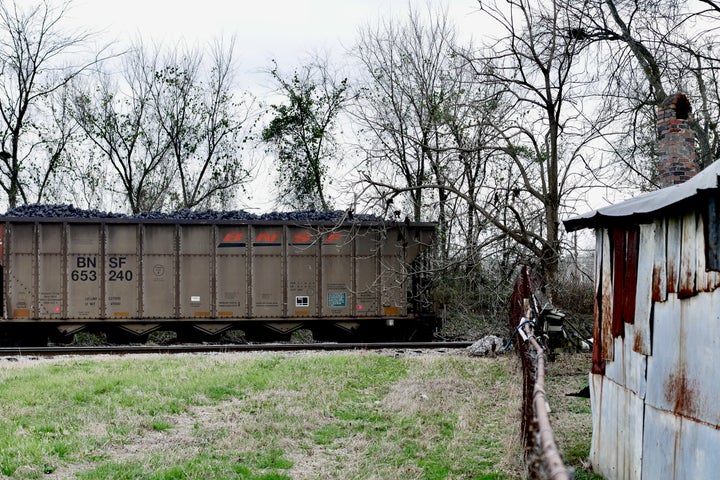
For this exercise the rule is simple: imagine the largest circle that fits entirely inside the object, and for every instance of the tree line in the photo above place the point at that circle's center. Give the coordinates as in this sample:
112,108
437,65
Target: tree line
496,140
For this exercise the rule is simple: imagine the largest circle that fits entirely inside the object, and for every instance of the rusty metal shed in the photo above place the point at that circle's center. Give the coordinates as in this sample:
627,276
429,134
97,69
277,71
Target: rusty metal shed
654,382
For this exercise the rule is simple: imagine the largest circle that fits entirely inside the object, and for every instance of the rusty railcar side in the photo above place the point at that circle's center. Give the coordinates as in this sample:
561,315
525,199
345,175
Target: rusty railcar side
259,276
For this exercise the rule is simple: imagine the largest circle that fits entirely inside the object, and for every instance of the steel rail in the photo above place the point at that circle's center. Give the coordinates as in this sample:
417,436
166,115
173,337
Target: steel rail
252,347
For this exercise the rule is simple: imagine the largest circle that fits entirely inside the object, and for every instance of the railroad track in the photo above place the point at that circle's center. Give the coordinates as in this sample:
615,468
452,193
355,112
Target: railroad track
268,347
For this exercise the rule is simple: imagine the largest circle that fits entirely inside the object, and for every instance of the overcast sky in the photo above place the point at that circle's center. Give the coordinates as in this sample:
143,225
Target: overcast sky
265,29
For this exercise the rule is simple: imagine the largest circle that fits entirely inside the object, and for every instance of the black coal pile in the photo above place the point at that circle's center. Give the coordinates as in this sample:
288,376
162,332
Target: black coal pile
239,215
58,211
318,216
69,211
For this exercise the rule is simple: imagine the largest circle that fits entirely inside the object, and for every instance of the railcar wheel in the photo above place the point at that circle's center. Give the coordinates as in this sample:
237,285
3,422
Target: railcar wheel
188,334
401,331
420,333
118,336
260,333
24,336
62,339
332,333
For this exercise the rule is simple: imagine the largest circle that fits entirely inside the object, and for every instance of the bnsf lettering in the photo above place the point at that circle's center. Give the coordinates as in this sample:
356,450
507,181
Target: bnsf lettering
85,271
302,237
233,237
117,273
120,275
233,240
117,262
266,237
86,262
83,275
334,237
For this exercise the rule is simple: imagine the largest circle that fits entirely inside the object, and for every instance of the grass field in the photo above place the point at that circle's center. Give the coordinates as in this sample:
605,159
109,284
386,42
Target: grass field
272,416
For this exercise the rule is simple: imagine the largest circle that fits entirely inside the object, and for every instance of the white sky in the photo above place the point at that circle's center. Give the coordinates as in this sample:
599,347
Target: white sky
286,30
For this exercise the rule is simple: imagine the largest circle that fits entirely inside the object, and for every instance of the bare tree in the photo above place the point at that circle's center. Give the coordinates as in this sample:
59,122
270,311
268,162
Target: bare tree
515,151
37,58
648,50
56,134
120,121
471,117
544,141
81,175
205,122
401,111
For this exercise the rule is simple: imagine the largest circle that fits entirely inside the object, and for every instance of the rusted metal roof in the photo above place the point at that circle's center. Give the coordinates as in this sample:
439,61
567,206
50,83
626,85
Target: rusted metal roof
642,208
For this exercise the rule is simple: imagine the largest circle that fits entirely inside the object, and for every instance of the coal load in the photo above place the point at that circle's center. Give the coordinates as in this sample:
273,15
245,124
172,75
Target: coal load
239,215
58,211
335,216
69,211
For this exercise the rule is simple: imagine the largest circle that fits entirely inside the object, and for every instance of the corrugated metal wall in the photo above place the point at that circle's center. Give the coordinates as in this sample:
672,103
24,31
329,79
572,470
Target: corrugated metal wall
655,384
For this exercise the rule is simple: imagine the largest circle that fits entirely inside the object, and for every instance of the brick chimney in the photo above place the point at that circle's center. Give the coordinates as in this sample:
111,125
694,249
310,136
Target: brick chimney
676,141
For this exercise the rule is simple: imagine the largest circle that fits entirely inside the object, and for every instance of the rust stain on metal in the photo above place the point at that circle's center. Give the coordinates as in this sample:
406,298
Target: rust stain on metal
658,286
607,307
639,342
598,363
632,247
625,252
618,267
686,292
672,281
681,392
659,279
709,281
673,253
688,257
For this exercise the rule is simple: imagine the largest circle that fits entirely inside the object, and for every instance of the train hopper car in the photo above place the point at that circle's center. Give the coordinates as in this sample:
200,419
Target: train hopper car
128,277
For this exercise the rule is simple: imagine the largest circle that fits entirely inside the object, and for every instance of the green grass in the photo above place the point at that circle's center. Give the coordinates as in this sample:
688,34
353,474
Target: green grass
263,416
571,417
